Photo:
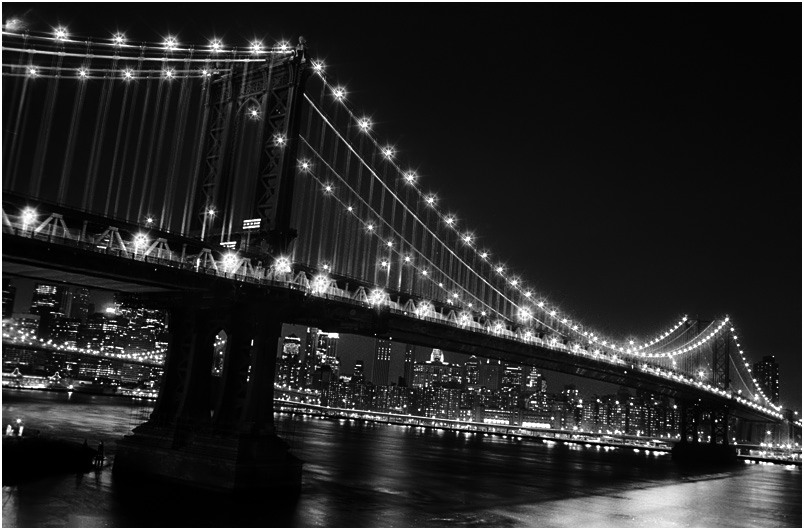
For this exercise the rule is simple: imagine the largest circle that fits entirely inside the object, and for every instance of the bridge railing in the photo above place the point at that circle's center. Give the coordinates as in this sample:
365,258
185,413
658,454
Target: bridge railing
136,246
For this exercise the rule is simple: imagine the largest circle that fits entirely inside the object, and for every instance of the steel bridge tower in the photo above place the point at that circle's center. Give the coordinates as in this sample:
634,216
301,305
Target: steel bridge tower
217,430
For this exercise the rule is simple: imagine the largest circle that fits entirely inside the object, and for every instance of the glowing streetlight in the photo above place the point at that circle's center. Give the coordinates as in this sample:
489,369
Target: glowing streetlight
32,71
256,46
215,45
170,43
60,33
128,74
339,93
118,39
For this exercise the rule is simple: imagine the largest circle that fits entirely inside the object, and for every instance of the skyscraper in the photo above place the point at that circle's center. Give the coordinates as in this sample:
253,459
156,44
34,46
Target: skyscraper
766,372
410,358
491,374
327,351
9,294
48,303
382,362
471,373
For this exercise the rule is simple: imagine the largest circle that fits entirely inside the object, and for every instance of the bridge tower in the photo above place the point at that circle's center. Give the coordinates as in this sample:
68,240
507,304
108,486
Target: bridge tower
248,157
696,413
212,426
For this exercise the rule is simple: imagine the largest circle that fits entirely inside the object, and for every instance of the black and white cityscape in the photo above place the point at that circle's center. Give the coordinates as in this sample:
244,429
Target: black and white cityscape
417,265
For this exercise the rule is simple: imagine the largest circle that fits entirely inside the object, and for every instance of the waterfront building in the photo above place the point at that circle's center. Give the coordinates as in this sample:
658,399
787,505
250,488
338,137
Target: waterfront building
289,367
327,352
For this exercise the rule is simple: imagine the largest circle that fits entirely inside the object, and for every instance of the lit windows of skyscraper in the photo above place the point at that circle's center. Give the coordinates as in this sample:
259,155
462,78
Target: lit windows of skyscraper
471,373
48,303
289,369
382,362
512,377
9,294
327,351
766,373
491,374
435,372
357,375
410,359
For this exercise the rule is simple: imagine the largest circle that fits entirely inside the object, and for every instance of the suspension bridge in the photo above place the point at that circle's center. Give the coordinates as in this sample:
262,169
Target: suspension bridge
238,188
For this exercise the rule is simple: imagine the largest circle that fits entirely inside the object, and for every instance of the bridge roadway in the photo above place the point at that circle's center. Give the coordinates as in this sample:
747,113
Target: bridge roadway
55,261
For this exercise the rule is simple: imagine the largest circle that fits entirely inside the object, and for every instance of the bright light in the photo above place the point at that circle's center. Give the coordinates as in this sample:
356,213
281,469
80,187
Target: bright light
60,33
229,261
525,315
118,39
410,177
215,45
377,297
254,113
339,93
328,188
320,283
149,220
364,123
256,47
369,227
169,73
388,152
450,220
282,265
528,294
484,255
83,73
499,269
424,272
384,264
128,73
32,71
407,259
305,165
349,209
170,43
389,244
318,66
140,240
430,200
211,212
28,216
284,46
280,140
205,72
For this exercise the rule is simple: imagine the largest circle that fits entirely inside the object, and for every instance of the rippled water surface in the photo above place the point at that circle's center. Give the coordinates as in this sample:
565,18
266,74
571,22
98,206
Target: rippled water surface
374,475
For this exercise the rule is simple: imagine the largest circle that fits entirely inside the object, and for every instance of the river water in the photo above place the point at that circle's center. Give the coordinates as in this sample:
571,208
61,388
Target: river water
375,475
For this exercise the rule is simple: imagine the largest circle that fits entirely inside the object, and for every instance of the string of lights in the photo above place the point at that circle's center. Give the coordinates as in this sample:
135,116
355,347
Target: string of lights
410,177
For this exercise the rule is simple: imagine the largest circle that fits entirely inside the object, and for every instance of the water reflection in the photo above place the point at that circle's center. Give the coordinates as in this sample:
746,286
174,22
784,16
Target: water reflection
361,474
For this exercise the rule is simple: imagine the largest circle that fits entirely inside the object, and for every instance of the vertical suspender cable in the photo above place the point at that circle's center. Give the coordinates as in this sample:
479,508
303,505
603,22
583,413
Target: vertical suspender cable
126,144
135,179
72,138
46,124
98,139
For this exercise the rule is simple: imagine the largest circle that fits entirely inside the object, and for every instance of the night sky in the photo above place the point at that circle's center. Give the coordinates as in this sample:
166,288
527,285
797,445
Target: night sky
634,162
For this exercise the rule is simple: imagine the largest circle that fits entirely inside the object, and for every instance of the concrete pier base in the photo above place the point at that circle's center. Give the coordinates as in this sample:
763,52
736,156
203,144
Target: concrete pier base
241,464
704,454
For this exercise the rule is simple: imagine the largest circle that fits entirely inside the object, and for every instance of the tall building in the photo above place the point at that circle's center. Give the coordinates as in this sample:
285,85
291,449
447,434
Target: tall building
357,375
80,303
382,362
410,359
766,373
48,303
9,294
512,377
327,351
436,372
471,373
491,374
289,366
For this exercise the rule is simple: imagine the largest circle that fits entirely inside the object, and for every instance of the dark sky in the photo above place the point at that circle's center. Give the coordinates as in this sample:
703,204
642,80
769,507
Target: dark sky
634,162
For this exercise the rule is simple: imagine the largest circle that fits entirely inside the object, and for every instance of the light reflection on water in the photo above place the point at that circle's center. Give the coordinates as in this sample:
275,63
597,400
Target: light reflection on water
365,474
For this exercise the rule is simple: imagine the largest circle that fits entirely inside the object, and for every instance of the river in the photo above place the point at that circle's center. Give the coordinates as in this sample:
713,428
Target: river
376,475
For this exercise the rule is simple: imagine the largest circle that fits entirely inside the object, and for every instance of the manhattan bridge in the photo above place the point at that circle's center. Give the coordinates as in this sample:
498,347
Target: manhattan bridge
238,188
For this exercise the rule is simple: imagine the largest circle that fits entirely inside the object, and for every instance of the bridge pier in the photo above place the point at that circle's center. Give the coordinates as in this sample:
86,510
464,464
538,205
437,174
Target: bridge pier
226,442
690,450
